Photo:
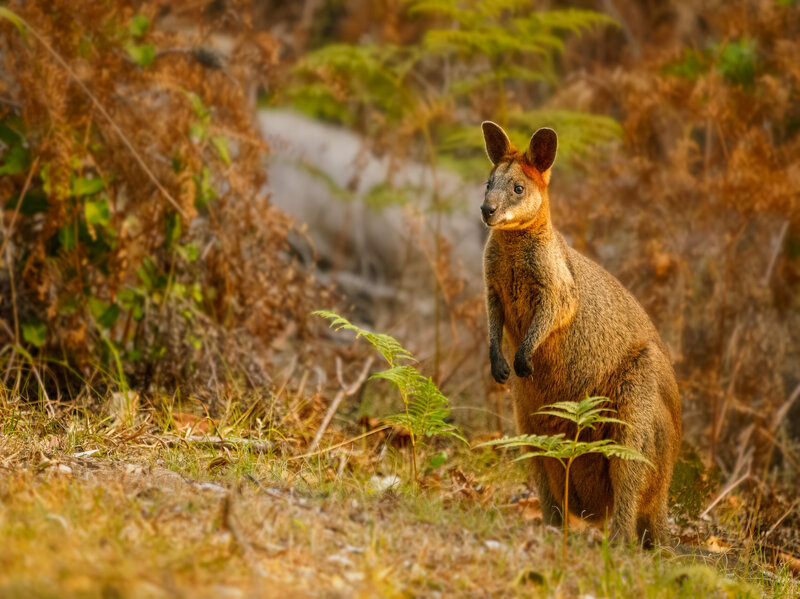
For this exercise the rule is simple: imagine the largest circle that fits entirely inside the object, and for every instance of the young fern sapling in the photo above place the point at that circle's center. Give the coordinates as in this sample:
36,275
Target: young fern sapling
425,408
586,414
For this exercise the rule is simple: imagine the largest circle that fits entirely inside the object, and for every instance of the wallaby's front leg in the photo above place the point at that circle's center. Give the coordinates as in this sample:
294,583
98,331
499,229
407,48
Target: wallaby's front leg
555,306
494,309
544,320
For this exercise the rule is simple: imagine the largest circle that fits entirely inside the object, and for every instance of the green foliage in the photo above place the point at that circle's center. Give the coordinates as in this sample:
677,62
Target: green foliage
386,345
577,131
426,409
495,29
586,415
385,194
690,66
141,54
737,61
139,25
34,333
495,44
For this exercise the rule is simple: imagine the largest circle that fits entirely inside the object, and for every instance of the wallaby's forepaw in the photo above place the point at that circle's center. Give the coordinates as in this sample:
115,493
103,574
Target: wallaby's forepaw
500,368
522,364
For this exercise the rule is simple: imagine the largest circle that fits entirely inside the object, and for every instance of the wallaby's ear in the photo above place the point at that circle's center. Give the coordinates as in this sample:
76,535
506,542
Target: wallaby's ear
541,152
497,142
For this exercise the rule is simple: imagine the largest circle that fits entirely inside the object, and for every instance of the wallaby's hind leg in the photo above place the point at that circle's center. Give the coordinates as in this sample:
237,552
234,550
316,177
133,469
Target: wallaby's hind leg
627,480
651,529
637,403
551,507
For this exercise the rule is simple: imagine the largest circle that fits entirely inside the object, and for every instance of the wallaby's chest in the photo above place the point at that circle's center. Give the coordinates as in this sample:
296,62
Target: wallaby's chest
520,291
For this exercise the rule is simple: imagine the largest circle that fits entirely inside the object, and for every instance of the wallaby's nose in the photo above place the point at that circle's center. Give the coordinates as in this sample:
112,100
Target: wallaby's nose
487,211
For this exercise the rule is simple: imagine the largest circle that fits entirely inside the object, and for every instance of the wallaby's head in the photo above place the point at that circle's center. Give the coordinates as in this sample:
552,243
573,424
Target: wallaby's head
517,185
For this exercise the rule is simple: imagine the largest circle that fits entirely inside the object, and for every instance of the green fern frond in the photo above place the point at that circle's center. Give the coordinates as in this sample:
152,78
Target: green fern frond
405,378
427,410
491,41
574,20
507,72
386,345
545,442
425,407
624,452
586,414
577,131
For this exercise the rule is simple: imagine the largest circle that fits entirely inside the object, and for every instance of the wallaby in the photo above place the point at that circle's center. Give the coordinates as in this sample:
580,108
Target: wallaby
574,330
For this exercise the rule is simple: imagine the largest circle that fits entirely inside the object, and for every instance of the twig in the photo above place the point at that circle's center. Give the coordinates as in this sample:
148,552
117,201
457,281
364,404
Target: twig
342,444
217,441
345,391
782,518
725,491
776,250
784,409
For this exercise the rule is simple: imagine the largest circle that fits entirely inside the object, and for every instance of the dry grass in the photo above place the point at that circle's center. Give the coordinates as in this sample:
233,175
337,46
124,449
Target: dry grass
149,515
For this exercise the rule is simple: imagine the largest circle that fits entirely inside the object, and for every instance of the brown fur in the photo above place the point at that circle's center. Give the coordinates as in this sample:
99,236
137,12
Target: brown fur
574,330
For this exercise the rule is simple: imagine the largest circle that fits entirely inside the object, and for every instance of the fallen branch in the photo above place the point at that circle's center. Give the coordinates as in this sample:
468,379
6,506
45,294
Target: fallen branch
219,442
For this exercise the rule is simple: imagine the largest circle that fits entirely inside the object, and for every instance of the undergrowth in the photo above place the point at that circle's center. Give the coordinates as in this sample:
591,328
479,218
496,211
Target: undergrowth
108,509
136,234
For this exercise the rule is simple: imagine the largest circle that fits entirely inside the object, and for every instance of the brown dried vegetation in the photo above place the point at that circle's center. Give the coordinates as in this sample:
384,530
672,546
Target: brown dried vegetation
143,224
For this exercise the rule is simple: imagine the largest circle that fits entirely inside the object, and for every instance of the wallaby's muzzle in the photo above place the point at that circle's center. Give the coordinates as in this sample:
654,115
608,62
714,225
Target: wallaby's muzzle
487,210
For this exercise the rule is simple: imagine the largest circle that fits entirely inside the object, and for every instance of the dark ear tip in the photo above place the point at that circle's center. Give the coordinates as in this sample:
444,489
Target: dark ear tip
485,125
546,132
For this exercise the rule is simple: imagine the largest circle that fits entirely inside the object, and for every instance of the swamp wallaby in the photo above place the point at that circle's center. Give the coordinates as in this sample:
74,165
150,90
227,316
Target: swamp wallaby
574,330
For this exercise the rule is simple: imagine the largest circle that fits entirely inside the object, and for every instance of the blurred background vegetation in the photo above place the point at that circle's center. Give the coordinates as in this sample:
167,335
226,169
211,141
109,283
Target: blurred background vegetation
182,183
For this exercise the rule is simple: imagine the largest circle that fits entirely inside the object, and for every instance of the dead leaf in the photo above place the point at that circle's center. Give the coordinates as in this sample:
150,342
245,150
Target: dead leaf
218,462
792,563
184,421
463,484
716,545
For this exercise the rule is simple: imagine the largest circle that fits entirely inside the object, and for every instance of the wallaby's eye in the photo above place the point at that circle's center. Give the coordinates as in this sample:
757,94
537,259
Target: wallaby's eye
518,189
489,183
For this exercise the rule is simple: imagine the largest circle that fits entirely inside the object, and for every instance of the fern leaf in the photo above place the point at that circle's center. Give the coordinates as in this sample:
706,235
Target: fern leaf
405,378
386,345
542,441
427,408
624,452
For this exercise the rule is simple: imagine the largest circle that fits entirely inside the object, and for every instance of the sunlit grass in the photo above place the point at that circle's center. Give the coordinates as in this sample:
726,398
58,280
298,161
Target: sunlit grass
157,517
